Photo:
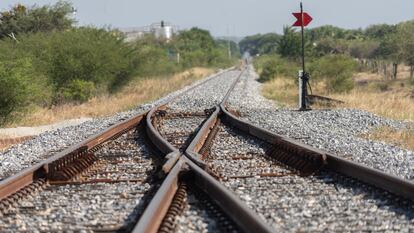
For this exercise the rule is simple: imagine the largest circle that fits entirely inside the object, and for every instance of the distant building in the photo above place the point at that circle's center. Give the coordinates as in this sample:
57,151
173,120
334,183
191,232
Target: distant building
162,30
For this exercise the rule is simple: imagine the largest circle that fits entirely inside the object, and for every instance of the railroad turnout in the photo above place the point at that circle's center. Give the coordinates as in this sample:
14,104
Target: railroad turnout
201,160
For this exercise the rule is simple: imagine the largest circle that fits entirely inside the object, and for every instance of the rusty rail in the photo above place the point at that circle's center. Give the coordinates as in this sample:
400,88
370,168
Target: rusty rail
236,210
153,215
379,179
50,166
374,177
45,168
191,165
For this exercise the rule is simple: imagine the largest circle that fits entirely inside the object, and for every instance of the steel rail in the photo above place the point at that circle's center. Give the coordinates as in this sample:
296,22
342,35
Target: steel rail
323,99
198,141
348,168
153,215
44,169
374,177
172,153
27,176
236,210
163,145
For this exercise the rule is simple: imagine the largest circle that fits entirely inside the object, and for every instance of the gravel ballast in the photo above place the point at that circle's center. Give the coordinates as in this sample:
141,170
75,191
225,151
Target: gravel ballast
291,203
337,131
96,204
47,144
288,202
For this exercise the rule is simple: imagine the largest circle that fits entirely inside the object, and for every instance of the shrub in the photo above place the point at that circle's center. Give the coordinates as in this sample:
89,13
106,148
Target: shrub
77,63
270,71
18,88
336,70
198,48
273,66
88,54
154,57
91,55
78,91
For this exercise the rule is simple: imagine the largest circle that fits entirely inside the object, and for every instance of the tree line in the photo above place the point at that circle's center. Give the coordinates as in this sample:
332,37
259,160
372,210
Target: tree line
378,48
46,60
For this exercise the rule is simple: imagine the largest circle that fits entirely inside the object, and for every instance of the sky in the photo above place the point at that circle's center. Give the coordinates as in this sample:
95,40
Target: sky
233,17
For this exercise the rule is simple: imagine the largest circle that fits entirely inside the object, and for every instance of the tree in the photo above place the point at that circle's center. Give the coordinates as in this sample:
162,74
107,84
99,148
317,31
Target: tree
224,45
260,44
379,31
323,32
405,42
389,51
336,70
363,49
196,47
290,43
21,19
91,55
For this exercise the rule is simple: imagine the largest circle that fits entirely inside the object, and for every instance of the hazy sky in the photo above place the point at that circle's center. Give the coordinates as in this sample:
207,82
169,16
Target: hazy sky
234,17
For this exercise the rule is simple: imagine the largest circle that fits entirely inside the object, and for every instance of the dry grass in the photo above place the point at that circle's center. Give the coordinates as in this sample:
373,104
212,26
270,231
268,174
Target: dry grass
283,90
402,138
394,105
136,93
391,99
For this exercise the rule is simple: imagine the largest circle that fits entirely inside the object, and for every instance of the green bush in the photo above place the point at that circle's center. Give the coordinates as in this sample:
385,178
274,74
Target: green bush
272,66
91,55
88,54
270,71
336,70
65,64
78,91
18,88
154,57
198,48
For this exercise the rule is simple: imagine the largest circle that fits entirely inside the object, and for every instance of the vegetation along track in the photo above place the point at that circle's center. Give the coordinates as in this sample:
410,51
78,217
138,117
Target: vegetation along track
234,177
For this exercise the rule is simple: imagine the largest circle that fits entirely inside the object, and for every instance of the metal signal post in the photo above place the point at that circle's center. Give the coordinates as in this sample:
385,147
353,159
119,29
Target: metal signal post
303,19
305,76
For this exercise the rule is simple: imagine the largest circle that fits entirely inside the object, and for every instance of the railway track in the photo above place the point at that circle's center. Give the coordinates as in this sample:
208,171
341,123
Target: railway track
191,165
106,190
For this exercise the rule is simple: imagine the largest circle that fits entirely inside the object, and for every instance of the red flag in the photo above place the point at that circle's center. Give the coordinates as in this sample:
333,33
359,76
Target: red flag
306,19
